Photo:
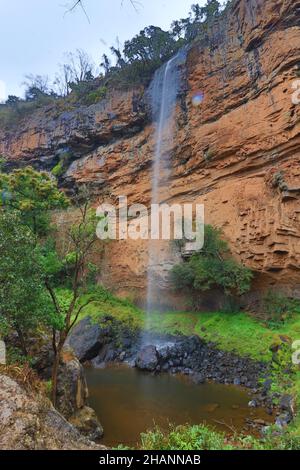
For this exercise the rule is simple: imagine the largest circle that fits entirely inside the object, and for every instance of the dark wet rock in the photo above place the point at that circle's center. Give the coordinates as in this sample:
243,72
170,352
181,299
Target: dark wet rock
283,420
98,363
267,386
198,379
252,404
287,404
44,362
122,356
86,339
147,358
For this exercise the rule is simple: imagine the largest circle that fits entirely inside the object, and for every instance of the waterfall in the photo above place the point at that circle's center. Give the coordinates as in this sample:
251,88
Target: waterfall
163,94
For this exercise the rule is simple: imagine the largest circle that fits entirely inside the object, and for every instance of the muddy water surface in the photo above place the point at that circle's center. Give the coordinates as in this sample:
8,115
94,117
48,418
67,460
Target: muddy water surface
129,402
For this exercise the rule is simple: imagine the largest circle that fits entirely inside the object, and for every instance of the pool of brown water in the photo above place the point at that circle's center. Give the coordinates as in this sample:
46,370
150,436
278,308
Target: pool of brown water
129,402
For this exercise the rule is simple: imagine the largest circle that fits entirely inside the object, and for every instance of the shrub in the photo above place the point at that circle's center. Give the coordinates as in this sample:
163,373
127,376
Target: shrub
184,438
62,165
95,96
212,267
201,437
278,308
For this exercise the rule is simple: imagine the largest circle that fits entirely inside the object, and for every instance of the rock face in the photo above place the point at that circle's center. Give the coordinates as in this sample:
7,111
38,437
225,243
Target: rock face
147,359
72,391
29,422
104,343
86,339
86,422
237,153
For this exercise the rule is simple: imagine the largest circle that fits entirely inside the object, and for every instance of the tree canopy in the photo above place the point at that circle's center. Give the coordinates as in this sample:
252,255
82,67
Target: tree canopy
24,303
33,194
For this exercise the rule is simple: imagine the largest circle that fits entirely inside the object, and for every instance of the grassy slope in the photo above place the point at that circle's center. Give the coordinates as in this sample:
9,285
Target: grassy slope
237,332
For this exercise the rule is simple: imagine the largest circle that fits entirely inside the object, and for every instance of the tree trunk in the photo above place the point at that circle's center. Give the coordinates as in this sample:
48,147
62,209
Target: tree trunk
55,377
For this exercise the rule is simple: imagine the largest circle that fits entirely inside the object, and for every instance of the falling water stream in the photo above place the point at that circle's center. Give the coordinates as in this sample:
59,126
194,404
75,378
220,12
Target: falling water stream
163,93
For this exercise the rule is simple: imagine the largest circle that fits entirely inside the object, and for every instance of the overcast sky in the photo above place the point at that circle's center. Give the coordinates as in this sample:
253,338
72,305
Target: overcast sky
36,34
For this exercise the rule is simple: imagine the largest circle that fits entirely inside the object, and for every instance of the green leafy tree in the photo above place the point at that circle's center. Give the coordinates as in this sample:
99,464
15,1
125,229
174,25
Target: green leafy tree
12,100
24,302
82,237
151,45
213,267
33,194
211,10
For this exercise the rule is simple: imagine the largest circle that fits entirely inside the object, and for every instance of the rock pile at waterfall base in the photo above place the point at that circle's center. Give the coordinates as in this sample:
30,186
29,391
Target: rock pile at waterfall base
29,422
165,353
191,356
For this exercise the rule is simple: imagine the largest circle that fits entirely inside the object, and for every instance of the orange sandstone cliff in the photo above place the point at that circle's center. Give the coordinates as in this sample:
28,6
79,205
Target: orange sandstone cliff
238,152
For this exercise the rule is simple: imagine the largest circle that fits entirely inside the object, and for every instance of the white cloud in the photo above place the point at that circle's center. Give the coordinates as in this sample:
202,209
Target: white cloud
2,91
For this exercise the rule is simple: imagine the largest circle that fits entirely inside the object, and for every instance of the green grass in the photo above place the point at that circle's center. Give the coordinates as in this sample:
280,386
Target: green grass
201,437
234,332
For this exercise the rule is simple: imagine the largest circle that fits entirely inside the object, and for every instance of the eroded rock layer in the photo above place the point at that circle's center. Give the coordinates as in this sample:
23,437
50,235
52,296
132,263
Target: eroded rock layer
238,152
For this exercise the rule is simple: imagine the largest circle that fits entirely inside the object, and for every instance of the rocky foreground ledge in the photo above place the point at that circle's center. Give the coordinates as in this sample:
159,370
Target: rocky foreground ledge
28,421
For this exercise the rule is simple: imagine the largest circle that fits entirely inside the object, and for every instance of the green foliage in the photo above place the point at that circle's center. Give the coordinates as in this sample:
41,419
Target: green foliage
236,332
95,96
151,45
278,308
32,194
201,437
58,170
48,388
23,301
2,161
184,438
62,165
50,261
279,181
16,356
211,268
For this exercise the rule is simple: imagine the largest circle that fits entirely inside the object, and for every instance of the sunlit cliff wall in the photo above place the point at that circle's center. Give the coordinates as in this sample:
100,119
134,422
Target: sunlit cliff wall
228,152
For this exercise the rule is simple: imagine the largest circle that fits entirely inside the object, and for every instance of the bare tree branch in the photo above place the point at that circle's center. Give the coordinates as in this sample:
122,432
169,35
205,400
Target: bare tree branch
81,5
134,3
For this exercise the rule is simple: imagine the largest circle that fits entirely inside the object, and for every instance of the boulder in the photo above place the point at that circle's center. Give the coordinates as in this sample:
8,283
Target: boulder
252,404
86,339
86,422
72,392
287,404
147,359
283,420
198,379
28,421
